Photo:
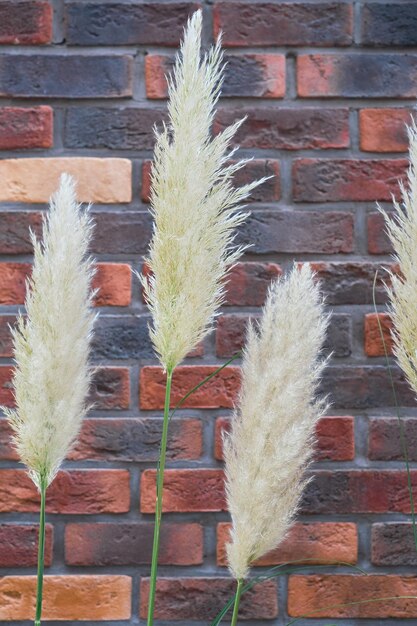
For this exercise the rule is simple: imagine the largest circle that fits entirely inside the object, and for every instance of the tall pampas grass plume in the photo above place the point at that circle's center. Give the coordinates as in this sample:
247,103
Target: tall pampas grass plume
51,345
272,433
401,227
195,206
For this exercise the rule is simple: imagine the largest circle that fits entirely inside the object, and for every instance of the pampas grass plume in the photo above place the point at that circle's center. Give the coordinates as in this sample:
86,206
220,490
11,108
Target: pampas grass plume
51,346
272,434
402,231
195,206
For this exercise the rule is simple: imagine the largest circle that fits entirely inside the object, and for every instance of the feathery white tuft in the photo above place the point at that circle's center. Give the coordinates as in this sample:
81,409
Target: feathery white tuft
402,231
272,433
51,346
194,204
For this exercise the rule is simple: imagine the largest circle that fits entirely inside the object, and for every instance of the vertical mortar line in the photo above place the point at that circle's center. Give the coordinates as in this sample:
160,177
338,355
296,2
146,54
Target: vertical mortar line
357,35
58,22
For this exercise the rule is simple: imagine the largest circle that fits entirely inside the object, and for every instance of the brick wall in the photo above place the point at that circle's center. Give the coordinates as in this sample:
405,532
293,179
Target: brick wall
327,87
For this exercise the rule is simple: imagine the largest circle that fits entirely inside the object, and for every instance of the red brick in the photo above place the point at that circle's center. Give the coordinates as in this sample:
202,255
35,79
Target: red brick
219,392
358,491
94,598
6,387
7,450
335,438
114,281
384,130
378,241
341,180
344,595
392,544
19,545
269,191
282,24
190,598
249,75
136,439
185,490
247,283
25,22
6,346
384,441
230,334
111,388
306,543
378,75
108,544
375,345
72,492
288,129
28,128
13,282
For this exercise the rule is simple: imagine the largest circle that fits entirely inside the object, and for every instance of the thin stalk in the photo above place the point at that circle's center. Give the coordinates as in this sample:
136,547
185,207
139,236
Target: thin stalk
158,504
237,601
41,555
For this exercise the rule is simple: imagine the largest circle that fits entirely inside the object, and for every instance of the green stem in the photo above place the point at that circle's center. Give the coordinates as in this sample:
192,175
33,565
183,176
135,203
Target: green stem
158,505
237,601
41,554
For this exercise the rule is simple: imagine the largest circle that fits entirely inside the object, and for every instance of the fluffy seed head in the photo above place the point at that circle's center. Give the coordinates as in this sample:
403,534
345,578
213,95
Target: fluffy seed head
195,207
272,433
51,346
402,231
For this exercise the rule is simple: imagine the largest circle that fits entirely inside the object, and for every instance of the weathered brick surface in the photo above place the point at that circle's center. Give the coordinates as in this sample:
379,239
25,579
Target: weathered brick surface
280,24
308,594
219,392
392,544
67,598
188,490
330,180
25,22
72,492
65,76
389,24
385,442
327,88
335,438
30,127
246,75
107,544
19,545
320,542
288,129
154,23
189,598
384,130
357,75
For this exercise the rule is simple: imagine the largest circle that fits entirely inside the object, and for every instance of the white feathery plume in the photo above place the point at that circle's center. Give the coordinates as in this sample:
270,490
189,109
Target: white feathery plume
402,231
51,346
194,204
272,432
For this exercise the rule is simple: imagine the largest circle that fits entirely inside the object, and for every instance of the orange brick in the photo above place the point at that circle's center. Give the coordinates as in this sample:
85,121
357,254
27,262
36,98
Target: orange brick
72,492
384,130
13,282
308,594
185,490
374,343
114,281
307,543
220,391
67,598
34,180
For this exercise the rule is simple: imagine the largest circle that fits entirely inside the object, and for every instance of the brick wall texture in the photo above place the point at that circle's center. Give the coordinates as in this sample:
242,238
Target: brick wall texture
327,87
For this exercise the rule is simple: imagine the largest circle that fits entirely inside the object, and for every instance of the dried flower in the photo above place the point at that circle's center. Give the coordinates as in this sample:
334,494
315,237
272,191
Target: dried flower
272,435
402,231
194,204
51,346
